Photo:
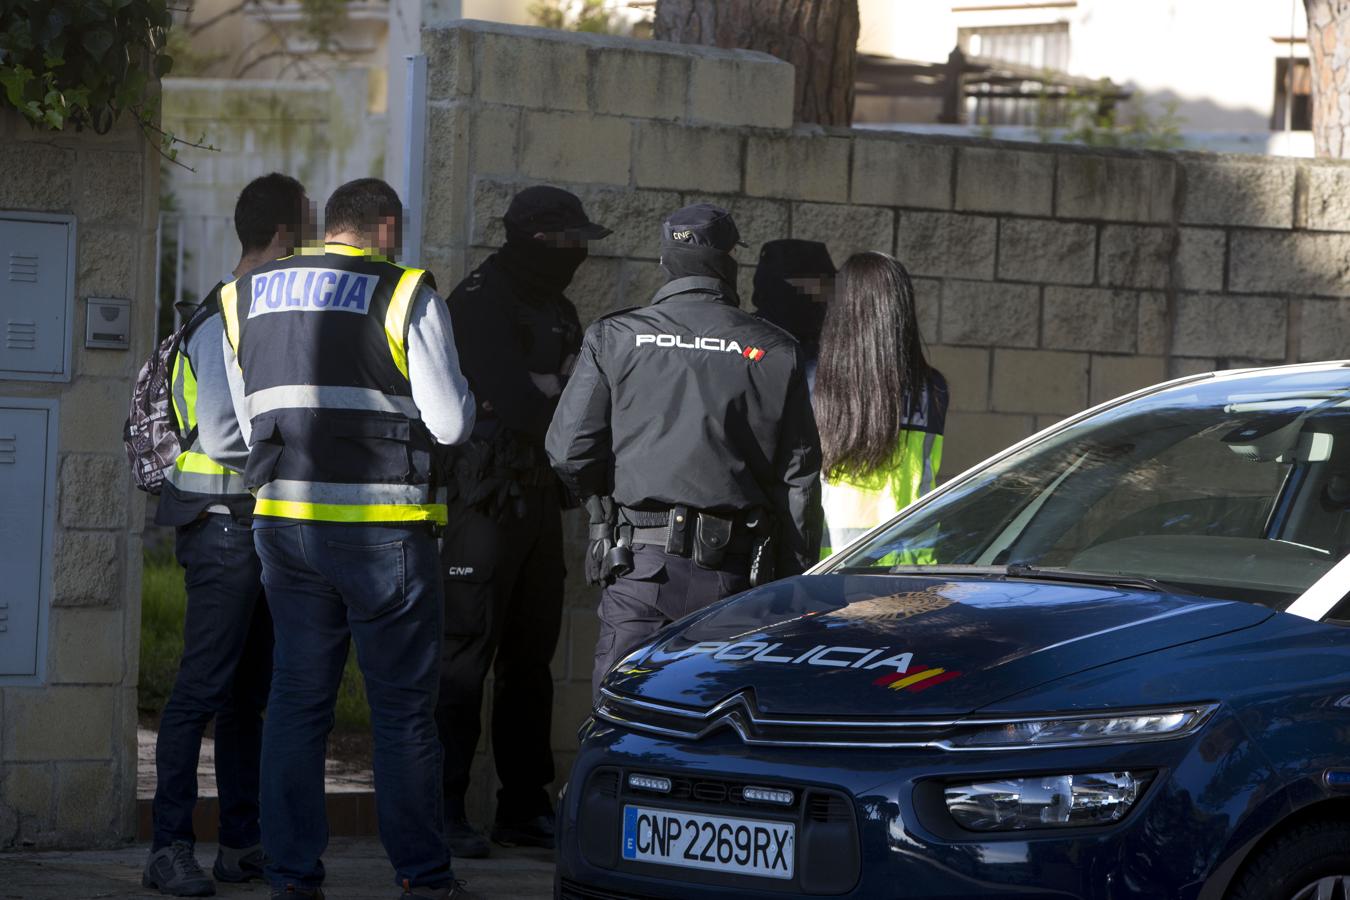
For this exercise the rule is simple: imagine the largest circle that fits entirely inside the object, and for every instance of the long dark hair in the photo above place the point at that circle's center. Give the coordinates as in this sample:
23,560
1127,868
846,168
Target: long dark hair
871,365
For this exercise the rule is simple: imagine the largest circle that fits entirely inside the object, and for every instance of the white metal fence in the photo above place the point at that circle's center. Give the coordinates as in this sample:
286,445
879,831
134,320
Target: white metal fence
195,251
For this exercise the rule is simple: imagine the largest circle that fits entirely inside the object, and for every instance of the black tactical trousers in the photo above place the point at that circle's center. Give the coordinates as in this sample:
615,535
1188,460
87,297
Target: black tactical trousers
503,610
661,588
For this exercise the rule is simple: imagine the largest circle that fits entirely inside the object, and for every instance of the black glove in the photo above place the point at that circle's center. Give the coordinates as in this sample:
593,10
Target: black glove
597,552
601,511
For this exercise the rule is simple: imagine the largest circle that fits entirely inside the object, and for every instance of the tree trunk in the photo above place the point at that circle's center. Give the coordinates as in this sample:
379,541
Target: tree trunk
819,38
1329,58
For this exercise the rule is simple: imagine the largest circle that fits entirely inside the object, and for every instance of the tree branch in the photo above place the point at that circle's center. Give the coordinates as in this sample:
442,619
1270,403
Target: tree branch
224,14
271,54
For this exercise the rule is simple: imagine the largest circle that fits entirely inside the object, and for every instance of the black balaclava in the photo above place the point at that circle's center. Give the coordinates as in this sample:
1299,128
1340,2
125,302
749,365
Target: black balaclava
783,304
537,266
685,260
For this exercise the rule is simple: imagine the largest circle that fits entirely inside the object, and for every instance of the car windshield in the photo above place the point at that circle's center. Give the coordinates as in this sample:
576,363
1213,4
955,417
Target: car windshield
1236,488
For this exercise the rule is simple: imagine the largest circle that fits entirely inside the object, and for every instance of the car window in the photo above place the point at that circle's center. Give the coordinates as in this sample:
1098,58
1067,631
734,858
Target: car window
1198,486
1237,488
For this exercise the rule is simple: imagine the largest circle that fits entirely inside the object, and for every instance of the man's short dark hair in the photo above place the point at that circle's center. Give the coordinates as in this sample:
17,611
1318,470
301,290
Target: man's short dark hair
359,204
268,203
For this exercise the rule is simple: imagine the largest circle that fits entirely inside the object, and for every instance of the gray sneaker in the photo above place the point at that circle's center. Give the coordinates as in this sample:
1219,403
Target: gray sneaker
291,892
238,866
174,870
455,890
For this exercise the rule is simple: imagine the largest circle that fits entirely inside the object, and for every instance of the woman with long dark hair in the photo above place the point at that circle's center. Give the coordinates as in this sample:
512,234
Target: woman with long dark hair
880,407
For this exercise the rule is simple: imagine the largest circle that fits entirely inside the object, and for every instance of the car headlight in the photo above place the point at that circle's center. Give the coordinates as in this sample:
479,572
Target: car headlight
1044,801
1076,731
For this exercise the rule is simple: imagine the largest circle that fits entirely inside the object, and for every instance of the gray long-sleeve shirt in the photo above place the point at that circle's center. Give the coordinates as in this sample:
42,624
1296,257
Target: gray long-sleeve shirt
439,390
217,426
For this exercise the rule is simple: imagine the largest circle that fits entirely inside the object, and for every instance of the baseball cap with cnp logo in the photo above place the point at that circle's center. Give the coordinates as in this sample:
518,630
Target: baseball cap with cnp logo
701,225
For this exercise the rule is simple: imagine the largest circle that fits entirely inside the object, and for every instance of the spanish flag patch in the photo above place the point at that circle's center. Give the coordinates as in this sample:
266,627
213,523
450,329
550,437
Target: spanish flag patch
754,354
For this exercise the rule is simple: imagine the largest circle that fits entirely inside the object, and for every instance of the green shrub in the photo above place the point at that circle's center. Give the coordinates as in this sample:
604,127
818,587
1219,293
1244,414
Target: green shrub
163,605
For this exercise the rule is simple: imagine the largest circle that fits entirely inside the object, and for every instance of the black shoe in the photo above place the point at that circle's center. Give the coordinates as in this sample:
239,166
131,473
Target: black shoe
535,832
466,842
238,866
291,892
174,870
456,890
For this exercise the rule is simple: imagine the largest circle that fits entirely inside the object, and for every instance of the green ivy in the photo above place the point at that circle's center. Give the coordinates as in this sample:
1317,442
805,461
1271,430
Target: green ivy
85,63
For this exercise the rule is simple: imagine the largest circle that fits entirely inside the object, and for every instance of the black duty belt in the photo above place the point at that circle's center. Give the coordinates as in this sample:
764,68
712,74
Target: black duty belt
645,519
740,543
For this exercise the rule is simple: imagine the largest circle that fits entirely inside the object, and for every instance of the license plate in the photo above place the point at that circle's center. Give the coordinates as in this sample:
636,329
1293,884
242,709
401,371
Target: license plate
715,843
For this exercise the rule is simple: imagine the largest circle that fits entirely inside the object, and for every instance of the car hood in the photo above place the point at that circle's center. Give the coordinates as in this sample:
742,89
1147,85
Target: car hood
874,645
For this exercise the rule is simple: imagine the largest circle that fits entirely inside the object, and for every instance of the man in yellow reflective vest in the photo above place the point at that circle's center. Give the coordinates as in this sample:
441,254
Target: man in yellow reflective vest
344,377
227,636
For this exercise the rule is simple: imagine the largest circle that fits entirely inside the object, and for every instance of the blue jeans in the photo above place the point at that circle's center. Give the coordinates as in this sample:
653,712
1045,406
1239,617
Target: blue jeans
380,587
224,673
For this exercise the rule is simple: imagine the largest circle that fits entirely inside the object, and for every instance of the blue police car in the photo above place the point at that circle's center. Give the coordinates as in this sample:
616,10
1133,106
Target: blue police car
1111,662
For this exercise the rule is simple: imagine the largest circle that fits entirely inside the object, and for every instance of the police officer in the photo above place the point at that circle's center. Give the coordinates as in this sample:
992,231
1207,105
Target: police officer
227,636
344,375
687,427
518,337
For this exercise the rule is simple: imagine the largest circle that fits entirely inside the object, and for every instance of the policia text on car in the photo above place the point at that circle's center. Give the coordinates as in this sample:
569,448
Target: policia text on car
344,377
687,428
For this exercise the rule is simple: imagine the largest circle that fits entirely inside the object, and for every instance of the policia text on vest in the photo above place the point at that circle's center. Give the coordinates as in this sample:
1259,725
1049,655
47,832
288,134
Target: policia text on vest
335,436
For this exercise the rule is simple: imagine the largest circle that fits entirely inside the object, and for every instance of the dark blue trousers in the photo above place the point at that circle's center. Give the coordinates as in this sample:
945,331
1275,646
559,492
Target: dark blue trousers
226,667
661,588
379,587
503,610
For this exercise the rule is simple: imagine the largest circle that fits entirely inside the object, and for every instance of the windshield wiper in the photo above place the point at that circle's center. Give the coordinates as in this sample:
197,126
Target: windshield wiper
1021,570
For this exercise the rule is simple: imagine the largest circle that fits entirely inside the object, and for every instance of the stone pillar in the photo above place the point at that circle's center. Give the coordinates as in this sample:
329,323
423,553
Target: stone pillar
68,744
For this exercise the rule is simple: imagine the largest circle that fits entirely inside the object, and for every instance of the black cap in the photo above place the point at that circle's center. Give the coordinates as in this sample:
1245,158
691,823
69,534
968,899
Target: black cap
795,258
702,225
543,209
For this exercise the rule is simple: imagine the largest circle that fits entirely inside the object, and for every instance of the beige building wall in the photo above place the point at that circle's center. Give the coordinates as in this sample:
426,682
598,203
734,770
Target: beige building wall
1216,58
68,744
1049,277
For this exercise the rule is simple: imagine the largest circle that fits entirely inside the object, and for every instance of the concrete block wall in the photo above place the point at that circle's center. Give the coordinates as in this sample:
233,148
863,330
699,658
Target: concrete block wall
68,746
1048,277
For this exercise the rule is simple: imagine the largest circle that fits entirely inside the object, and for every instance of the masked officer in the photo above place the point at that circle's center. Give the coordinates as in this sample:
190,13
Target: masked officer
793,283
344,374
518,337
687,427
227,635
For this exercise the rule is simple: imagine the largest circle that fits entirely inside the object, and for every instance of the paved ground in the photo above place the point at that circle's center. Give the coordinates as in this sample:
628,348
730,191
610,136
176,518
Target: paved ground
357,870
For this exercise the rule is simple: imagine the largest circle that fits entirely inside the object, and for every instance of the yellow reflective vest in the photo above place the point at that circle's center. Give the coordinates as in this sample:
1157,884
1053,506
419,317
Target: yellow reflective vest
854,505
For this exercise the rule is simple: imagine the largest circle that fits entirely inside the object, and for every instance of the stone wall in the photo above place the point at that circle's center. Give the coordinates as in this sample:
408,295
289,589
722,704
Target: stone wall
1048,277
68,746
